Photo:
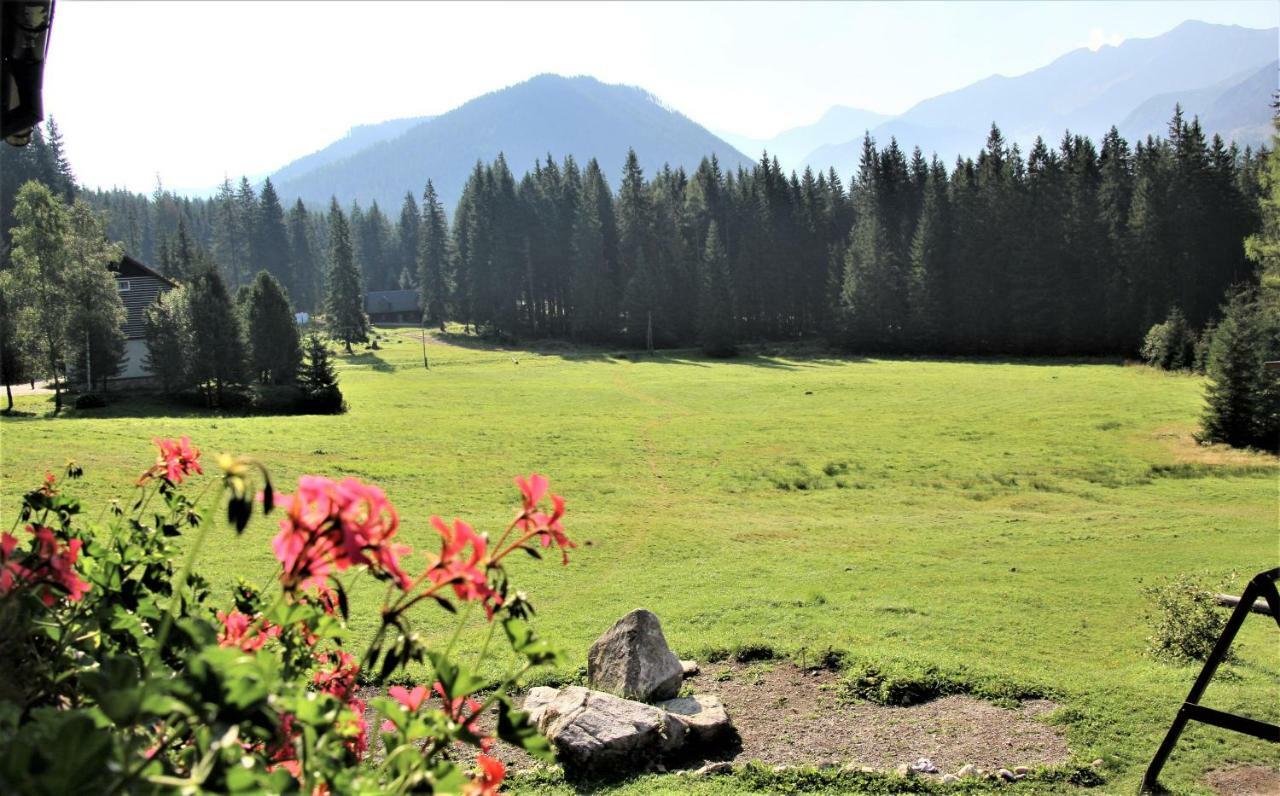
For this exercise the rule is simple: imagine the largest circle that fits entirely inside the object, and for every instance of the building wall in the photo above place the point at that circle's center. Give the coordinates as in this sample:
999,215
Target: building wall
135,352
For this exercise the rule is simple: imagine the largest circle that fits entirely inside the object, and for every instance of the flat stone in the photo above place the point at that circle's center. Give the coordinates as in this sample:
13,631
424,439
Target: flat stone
632,659
537,699
598,733
950,778
689,668
1022,770
705,720
1006,775
967,770
1097,763
710,769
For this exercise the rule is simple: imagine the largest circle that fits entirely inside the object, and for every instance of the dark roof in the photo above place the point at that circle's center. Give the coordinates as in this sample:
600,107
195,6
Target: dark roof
145,286
129,268
382,301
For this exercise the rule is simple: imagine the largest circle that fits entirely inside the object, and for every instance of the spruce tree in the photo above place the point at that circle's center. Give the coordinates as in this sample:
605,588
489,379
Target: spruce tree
316,377
274,353
344,298
168,335
270,244
1234,397
217,339
715,299
308,277
433,265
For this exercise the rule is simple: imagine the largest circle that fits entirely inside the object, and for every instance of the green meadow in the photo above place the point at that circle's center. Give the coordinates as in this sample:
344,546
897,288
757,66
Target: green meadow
994,519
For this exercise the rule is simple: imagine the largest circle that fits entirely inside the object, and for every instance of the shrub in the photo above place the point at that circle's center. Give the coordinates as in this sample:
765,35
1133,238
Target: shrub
1170,345
124,674
1186,621
91,400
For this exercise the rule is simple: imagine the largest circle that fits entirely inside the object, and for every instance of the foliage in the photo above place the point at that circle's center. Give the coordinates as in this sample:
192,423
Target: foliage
125,675
217,357
14,366
1075,248
318,380
1170,345
1185,619
1243,398
168,335
274,353
67,309
344,298
1041,466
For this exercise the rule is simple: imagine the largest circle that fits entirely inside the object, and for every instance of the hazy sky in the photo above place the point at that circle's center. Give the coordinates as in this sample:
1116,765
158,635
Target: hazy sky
194,90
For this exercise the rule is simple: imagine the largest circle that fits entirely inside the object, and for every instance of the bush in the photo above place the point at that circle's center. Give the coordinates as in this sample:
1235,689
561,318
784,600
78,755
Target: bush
1170,345
91,400
1186,622
125,674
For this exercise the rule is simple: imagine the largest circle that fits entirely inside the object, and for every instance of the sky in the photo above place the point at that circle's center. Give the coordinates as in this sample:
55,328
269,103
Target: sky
193,91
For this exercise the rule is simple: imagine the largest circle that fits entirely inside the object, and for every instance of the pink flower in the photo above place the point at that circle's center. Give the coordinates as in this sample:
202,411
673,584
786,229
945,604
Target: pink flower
360,743
341,679
236,631
388,726
332,525
488,779
465,572
48,568
412,700
454,708
178,459
547,527
532,489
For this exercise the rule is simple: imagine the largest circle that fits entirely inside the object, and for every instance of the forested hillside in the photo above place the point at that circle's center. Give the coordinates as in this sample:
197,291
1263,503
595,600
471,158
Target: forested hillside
1073,248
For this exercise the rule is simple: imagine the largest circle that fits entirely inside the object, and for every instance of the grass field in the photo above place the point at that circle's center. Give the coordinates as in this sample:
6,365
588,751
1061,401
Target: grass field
996,517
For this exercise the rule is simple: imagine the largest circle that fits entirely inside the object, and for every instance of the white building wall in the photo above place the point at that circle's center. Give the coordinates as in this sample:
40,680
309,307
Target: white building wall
135,352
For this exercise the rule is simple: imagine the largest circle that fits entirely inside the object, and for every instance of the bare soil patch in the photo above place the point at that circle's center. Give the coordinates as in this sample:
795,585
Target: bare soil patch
1244,781
1186,449
786,715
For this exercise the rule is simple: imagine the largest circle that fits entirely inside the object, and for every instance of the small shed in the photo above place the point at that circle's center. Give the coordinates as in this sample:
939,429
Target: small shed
139,287
393,306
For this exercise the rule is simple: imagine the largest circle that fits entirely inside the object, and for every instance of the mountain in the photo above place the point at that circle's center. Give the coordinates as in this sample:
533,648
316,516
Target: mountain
1229,108
356,139
839,124
1085,91
548,114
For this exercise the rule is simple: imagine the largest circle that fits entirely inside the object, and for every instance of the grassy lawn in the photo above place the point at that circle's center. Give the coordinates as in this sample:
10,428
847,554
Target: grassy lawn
1000,517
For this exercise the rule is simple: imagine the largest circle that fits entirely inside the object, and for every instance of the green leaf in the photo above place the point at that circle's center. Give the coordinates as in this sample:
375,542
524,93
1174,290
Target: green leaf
515,728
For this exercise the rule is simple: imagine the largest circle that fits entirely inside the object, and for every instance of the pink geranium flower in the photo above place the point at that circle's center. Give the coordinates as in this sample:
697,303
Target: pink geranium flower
412,700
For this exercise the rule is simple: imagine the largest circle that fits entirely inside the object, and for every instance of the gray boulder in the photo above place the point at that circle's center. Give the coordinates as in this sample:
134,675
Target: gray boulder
632,660
706,722
598,733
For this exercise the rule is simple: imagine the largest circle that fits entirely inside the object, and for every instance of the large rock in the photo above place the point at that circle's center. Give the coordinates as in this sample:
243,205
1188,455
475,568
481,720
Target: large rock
632,659
601,734
706,722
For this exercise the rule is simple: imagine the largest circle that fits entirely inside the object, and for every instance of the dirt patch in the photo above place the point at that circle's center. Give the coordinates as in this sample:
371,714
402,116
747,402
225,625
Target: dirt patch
1244,781
787,715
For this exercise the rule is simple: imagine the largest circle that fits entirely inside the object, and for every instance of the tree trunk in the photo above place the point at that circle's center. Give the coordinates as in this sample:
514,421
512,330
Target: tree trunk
8,390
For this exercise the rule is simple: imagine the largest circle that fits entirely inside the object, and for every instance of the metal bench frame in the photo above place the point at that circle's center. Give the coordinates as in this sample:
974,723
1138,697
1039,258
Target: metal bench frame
1263,585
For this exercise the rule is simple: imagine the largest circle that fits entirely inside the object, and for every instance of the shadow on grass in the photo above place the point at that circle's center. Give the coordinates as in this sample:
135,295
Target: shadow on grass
369,359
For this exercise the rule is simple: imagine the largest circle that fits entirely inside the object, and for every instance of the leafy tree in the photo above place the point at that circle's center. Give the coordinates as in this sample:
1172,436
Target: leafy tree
217,340
97,318
274,353
168,335
344,299
14,368
1170,345
61,288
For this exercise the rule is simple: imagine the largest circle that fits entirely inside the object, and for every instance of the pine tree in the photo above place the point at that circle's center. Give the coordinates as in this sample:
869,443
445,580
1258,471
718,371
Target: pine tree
715,300
217,340
65,181
270,244
317,379
1235,408
433,264
408,232
307,275
344,298
594,292
168,335
274,354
